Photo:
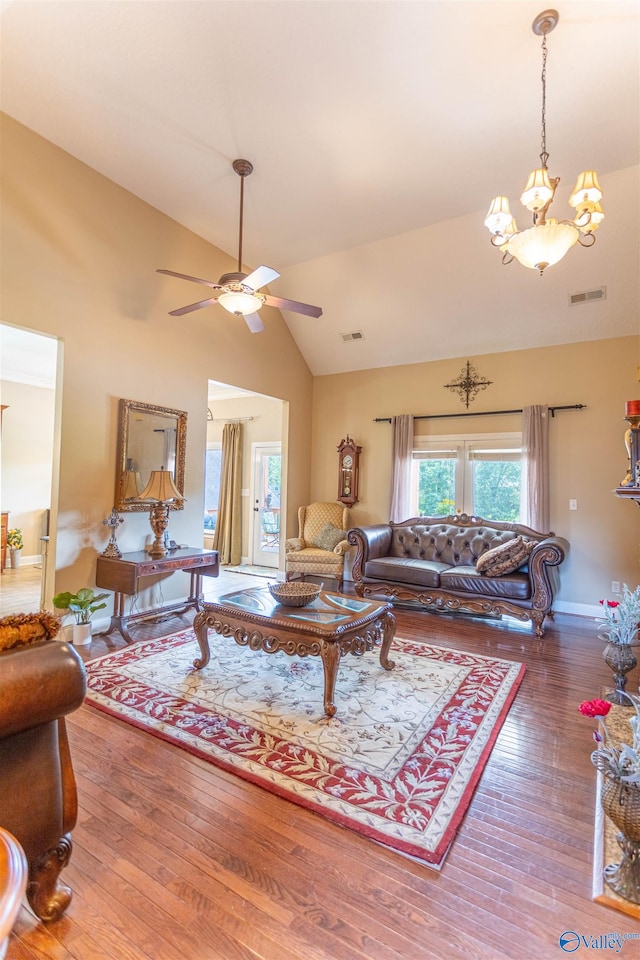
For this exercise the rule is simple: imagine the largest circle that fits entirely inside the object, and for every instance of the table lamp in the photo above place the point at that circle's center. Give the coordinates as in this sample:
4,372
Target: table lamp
162,489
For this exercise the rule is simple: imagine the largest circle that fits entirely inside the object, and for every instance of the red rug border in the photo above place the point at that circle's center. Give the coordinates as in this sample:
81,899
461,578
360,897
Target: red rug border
434,859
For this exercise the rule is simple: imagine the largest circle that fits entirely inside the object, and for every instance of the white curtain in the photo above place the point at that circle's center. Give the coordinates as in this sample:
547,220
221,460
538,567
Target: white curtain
402,428
534,487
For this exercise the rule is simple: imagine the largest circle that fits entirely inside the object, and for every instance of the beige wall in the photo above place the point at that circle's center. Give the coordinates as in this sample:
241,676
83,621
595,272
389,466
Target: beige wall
79,261
588,457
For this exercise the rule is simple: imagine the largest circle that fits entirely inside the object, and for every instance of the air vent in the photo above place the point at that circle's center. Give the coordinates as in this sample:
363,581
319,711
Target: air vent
356,335
588,296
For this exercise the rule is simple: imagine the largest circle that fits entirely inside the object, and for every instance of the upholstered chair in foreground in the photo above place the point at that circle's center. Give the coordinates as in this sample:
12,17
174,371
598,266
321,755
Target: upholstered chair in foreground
320,547
41,680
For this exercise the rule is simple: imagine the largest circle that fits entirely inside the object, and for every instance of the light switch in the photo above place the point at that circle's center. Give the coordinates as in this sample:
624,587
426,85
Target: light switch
573,504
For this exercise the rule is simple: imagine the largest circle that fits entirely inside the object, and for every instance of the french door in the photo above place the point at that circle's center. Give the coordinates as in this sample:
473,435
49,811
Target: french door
264,548
477,475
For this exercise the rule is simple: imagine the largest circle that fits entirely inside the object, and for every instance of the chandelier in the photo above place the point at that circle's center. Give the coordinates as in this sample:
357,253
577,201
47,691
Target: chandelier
547,241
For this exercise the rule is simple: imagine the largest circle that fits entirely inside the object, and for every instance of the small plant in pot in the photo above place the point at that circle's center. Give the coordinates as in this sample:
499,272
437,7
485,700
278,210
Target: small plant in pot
15,543
82,605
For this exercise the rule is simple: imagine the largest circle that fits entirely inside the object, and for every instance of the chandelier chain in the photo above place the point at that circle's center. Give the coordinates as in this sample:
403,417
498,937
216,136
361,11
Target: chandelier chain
544,156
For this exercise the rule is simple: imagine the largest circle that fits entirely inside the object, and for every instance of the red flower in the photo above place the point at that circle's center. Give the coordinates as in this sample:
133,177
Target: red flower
610,603
595,708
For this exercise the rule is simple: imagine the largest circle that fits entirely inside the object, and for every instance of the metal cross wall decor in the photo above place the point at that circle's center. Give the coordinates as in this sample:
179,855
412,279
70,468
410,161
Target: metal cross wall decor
468,384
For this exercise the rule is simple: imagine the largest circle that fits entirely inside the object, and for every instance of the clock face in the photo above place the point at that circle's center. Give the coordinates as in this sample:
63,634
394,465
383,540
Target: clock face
348,460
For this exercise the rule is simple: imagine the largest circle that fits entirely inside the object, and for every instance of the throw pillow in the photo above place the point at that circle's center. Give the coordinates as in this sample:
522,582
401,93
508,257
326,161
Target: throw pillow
329,537
506,558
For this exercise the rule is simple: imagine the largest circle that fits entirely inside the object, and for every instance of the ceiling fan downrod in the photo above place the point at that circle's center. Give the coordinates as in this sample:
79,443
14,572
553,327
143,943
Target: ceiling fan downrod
244,169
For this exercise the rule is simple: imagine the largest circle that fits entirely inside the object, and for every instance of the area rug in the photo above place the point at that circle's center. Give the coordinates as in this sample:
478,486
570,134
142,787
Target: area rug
397,763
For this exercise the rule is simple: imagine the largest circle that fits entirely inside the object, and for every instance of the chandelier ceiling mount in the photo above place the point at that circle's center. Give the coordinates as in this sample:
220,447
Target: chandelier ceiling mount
548,240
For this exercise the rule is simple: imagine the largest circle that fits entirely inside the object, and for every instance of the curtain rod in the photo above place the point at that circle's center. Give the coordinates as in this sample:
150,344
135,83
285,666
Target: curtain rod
230,419
486,413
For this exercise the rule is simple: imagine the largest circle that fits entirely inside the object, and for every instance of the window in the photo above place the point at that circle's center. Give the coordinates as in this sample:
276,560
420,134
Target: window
477,475
213,464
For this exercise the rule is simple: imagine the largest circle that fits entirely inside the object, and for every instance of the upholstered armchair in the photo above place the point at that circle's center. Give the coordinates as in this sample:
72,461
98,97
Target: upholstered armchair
41,680
320,547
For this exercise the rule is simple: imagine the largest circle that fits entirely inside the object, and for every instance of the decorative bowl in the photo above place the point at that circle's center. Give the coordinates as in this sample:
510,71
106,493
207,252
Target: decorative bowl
294,594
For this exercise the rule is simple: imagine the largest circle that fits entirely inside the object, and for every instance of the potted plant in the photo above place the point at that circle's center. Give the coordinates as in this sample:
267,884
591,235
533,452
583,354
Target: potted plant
619,630
82,605
15,544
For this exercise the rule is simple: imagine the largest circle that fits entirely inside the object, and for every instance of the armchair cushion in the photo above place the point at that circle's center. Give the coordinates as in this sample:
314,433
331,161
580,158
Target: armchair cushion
21,629
329,537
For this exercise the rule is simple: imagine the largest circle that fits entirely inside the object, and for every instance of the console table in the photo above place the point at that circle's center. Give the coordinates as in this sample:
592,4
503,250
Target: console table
122,575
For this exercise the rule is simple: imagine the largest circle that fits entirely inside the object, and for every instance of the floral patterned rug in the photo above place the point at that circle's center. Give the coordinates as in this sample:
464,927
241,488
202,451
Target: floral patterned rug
397,763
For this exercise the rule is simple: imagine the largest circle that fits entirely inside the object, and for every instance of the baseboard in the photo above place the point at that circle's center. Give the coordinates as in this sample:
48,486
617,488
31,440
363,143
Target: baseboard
594,612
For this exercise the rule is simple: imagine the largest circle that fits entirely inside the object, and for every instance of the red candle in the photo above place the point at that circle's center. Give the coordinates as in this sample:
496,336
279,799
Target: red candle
632,408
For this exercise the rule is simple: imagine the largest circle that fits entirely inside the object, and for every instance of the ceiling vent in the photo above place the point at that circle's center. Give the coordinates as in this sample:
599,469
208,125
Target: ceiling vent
588,296
356,335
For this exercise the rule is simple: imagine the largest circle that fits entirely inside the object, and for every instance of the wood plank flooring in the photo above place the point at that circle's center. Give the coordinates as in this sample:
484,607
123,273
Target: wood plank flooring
176,860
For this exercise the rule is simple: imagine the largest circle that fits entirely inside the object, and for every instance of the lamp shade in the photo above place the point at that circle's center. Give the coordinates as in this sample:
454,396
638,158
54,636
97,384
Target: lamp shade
239,302
543,245
499,216
586,190
538,191
593,220
132,485
161,487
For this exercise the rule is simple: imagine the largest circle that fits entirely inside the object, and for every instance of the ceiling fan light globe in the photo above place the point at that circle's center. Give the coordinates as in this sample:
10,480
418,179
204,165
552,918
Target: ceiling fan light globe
543,245
239,302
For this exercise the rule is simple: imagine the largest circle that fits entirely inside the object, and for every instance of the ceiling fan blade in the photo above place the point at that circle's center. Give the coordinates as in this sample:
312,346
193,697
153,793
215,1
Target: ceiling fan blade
254,322
184,276
260,277
294,306
192,306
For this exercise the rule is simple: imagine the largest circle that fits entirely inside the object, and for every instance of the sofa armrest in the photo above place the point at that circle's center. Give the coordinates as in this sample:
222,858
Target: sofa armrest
370,542
39,683
293,544
545,557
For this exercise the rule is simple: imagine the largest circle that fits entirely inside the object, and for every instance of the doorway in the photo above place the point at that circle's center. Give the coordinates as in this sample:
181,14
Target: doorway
264,550
28,371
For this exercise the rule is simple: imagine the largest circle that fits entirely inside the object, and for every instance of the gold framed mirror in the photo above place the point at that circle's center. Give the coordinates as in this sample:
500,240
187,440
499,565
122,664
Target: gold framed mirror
149,438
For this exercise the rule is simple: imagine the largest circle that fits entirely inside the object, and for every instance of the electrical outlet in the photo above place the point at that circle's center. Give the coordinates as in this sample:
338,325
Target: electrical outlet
615,586
573,504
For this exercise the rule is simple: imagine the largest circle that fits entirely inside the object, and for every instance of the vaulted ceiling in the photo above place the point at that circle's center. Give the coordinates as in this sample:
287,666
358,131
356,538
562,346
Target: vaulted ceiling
379,131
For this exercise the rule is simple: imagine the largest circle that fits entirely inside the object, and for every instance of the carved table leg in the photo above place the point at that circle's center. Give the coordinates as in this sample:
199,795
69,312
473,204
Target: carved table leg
48,898
388,633
201,631
330,653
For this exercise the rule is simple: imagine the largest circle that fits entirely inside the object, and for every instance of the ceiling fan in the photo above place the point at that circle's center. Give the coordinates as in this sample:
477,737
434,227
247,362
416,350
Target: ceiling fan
239,292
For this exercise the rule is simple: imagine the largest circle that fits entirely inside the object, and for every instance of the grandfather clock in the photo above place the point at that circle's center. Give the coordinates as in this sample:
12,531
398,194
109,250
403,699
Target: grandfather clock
348,471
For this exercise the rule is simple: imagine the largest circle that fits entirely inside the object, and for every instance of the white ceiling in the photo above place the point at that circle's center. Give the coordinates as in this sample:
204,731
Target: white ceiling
379,131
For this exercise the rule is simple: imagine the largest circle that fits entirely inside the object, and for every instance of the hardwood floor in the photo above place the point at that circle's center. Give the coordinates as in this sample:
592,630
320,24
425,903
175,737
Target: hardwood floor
175,859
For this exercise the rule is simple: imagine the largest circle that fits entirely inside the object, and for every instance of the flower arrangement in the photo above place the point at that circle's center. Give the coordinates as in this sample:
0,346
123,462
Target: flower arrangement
621,618
14,539
616,763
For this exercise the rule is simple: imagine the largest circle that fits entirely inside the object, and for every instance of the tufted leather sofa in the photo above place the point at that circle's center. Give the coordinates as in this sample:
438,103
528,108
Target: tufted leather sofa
432,560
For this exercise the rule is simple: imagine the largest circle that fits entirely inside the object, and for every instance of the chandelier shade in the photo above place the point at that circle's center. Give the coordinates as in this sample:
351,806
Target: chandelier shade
543,245
548,240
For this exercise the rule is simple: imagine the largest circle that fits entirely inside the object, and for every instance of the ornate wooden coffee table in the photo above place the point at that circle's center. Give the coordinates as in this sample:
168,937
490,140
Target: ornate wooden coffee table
330,627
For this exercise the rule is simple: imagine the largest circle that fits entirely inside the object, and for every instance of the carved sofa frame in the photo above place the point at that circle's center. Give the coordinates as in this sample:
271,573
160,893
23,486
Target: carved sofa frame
432,560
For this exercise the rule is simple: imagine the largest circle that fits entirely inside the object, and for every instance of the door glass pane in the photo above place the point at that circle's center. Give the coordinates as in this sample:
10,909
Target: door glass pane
496,489
269,507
